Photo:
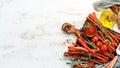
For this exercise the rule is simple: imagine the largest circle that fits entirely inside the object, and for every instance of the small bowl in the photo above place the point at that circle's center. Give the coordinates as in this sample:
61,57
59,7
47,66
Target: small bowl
90,31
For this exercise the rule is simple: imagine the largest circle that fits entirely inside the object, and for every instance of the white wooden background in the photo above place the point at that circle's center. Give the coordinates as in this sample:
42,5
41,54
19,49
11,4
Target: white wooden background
30,31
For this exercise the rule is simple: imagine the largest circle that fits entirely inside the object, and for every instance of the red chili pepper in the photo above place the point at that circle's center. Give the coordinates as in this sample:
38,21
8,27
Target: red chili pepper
82,49
85,45
85,50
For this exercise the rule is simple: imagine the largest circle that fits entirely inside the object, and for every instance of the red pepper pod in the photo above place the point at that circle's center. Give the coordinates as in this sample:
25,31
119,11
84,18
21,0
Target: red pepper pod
85,46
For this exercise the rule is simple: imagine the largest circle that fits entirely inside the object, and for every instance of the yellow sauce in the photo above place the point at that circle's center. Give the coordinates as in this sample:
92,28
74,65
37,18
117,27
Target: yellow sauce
106,18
